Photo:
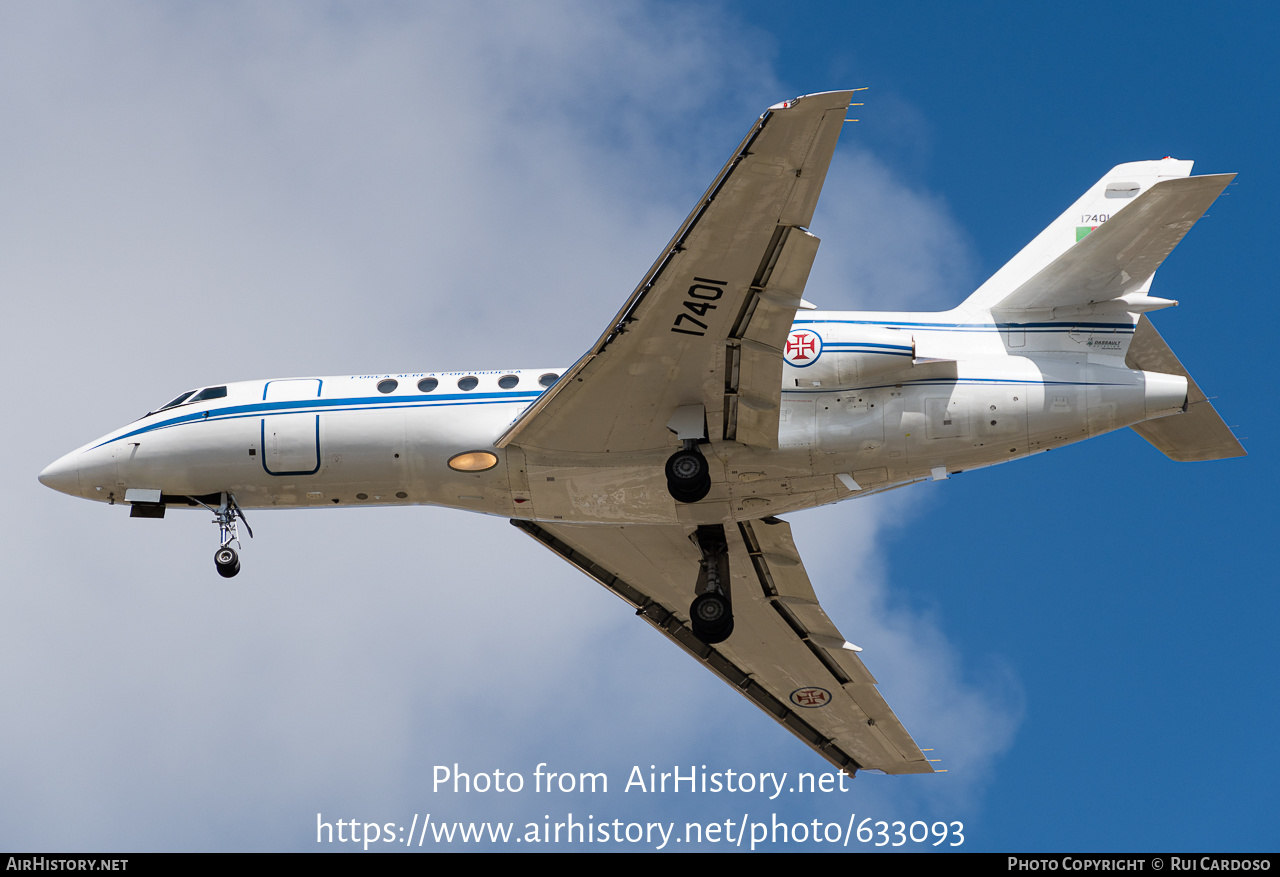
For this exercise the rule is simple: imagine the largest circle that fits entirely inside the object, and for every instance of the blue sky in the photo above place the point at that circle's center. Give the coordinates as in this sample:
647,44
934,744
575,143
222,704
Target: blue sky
202,194
1130,596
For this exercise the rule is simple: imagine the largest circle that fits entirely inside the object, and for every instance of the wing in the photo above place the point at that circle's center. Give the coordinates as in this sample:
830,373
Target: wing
785,655
708,323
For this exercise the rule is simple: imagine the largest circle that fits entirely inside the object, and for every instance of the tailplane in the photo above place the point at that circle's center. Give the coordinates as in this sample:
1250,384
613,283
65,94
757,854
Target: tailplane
1196,435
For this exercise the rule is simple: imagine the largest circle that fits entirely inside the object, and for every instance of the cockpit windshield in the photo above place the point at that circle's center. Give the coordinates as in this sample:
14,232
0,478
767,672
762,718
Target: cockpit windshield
177,401
192,396
209,393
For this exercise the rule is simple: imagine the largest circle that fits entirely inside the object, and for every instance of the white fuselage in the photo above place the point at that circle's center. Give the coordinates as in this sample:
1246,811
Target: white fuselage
875,401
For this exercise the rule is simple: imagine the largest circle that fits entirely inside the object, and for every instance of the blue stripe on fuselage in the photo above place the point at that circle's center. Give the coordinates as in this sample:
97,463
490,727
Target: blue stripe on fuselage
1061,326
359,403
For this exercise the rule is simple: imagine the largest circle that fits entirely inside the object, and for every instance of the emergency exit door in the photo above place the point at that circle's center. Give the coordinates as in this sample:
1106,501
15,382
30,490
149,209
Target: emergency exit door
291,427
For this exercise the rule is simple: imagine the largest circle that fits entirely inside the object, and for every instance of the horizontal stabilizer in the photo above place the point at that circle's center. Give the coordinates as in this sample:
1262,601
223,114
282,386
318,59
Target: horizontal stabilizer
1197,435
1120,255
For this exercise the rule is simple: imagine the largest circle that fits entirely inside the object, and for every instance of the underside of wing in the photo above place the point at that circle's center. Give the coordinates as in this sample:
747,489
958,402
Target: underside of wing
1122,254
707,324
1198,434
785,654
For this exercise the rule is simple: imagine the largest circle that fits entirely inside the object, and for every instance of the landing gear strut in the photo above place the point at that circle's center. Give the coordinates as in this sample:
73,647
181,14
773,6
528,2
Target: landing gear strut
688,476
711,614
226,559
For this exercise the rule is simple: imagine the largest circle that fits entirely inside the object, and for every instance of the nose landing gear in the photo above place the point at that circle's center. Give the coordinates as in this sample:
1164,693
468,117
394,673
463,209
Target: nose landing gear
226,559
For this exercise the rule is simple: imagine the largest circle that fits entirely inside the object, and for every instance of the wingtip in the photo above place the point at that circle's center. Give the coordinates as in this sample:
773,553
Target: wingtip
845,95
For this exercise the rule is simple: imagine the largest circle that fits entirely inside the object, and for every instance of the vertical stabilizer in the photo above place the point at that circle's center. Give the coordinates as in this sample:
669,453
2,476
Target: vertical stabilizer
1116,190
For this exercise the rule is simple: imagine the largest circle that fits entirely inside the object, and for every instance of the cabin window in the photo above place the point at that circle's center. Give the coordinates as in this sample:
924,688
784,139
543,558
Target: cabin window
426,385
506,382
470,382
209,393
548,379
387,386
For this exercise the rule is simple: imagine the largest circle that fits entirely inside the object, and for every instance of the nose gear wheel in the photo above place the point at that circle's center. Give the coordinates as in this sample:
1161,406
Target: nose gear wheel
227,562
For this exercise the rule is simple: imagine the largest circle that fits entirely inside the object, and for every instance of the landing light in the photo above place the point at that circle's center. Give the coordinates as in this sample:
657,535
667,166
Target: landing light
473,461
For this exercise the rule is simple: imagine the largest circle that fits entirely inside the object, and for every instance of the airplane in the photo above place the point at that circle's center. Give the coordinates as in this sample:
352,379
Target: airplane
716,400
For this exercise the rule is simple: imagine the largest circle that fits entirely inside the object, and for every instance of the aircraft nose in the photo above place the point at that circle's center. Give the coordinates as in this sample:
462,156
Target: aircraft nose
63,474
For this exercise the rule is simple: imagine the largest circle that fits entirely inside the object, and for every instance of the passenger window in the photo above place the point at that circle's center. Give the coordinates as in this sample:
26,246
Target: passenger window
387,386
468,383
548,379
506,382
426,385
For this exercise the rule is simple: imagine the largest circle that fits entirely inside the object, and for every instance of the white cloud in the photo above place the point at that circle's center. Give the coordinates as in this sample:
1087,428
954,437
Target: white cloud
212,193
886,245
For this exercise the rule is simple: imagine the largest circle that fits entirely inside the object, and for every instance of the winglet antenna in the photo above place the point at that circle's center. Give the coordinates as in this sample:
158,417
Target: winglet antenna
864,88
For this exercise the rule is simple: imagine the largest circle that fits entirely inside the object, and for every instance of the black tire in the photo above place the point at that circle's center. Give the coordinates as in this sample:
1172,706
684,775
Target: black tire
711,618
227,562
688,476
680,494
687,469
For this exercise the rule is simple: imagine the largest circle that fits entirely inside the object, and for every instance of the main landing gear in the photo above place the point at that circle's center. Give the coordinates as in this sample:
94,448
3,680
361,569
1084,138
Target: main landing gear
711,613
226,559
688,475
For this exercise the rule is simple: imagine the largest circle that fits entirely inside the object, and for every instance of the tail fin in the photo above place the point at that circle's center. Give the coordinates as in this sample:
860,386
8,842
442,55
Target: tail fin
1124,225
1200,433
